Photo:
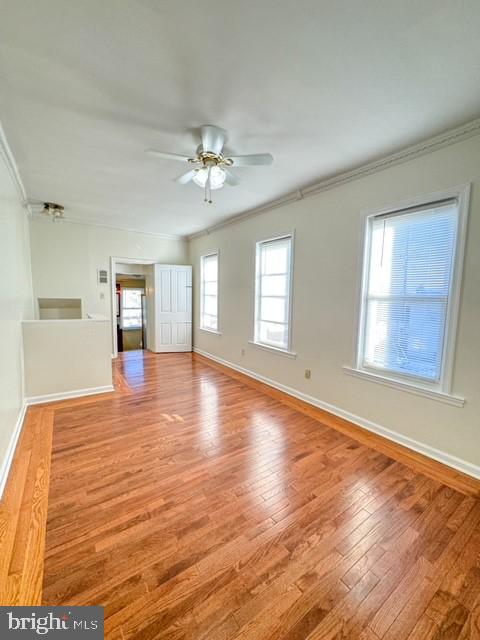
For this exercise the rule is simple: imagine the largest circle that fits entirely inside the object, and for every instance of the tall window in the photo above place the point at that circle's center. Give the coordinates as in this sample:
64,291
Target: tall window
131,316
407,292
272,292
209,292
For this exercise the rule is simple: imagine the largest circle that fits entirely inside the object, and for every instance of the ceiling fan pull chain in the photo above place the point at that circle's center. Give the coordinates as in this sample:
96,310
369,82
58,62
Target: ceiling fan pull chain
209,185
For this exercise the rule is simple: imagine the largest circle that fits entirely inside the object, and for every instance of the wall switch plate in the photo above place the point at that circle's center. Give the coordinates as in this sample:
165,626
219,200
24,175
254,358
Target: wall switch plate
308,374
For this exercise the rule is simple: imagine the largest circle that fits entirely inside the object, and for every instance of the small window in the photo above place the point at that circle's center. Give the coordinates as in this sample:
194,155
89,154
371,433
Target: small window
272,292
209,292
131,317
410,294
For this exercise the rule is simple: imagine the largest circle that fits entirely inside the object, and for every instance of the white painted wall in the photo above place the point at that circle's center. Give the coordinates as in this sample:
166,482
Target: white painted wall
15,306
326,275
66,356
66,256
131,269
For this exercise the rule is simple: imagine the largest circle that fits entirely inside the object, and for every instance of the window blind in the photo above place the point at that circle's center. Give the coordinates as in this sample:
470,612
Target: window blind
408,282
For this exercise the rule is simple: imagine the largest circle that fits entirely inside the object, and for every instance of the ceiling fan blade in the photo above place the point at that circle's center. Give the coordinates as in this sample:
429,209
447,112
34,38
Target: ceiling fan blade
231,178
186,177
213,138
167,155
253,159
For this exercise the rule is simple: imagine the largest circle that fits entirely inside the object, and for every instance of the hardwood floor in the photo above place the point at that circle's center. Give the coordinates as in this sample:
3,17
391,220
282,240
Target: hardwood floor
192,505
23,513
436,470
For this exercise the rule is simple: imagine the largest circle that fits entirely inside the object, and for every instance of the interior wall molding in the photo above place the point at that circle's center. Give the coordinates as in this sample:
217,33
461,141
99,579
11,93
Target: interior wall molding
67,395
12,446
68,220
9,161
419,447
452,136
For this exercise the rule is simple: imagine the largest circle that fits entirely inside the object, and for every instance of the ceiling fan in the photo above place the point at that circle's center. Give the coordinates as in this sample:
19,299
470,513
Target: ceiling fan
212,168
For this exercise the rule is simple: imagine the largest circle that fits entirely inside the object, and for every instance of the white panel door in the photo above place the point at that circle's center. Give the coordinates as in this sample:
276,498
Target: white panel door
173,308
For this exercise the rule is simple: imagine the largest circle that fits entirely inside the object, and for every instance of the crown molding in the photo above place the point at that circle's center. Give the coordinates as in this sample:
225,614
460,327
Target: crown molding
7,157
452,136
70,220
429,145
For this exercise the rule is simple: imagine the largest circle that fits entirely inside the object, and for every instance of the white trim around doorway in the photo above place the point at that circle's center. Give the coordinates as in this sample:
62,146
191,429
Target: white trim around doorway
114,260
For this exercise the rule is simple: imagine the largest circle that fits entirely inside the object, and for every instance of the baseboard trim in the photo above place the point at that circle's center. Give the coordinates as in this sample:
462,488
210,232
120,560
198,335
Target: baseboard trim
12,447
453,462
67,395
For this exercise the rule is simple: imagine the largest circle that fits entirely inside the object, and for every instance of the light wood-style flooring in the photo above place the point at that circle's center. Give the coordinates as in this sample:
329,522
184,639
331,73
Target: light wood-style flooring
196,505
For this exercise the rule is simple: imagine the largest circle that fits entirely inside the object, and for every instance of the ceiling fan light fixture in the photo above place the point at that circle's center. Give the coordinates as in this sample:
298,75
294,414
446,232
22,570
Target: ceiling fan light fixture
217,177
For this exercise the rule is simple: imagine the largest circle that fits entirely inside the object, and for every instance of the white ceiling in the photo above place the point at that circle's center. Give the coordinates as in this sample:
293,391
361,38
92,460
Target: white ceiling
323,85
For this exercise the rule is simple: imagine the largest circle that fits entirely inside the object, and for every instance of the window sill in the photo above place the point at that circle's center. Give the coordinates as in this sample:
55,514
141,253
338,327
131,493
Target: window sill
440,396
277,350
215,333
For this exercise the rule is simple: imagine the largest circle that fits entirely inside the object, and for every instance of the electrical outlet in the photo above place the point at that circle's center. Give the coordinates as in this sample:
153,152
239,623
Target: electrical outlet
102,296
308,374
242,352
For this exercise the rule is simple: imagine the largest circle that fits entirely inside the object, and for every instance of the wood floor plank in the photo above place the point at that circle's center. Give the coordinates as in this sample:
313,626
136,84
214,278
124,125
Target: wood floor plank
455,479
23,513
194,504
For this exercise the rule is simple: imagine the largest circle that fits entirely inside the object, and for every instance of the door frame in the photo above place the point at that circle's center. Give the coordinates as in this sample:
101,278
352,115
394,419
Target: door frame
113,298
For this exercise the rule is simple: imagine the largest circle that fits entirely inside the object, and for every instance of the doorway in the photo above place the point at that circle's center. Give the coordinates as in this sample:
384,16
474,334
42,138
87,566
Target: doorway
166,309
133,274
131,308
131,312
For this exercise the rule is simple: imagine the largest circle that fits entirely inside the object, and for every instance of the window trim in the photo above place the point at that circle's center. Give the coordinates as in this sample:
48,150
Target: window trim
272,349
216,331
265,345
441,390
